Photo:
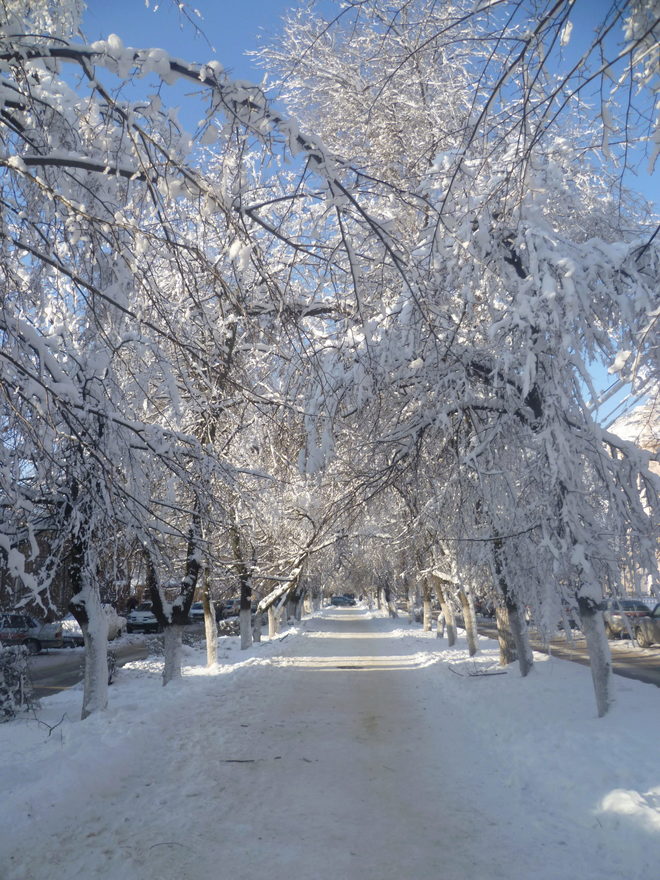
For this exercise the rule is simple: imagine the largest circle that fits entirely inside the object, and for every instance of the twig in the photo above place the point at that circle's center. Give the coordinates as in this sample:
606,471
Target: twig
50,727
475,673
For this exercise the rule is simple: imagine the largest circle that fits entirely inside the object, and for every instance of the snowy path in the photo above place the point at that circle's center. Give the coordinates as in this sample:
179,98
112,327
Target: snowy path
348,771
346,752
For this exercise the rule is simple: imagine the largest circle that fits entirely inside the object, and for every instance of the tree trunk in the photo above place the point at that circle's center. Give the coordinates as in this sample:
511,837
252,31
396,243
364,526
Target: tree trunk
568,631
172,641
516,619
427,623
256,627
470,622
245,623
446,609
210,625
173,616
520,637
88,611
245,613
273,622
390,603
95,687
504,637
411,604
600,658
291,608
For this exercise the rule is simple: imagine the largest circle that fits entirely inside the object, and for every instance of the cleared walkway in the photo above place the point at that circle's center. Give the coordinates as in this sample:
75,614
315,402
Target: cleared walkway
349,771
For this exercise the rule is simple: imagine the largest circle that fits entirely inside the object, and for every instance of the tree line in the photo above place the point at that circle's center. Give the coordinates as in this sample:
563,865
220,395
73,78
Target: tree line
360,325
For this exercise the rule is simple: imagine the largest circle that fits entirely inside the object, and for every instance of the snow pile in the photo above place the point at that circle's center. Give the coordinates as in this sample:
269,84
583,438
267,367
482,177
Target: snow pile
353,748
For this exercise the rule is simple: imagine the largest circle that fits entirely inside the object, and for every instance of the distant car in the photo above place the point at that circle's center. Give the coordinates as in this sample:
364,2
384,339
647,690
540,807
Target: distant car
142,619
647,629
618,611
231,608
196,613
342,601
22,629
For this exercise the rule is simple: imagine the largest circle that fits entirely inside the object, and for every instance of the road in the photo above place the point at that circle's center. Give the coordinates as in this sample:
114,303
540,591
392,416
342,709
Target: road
642,664
56,670
62,668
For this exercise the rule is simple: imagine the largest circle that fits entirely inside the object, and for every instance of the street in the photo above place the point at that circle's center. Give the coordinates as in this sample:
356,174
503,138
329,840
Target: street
58,669
642,664
62,668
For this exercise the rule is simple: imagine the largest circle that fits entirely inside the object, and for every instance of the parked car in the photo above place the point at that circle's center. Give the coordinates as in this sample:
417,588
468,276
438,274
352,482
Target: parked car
230,608
617,611
17,628
342,601
647,629
196,613
142,619
72,633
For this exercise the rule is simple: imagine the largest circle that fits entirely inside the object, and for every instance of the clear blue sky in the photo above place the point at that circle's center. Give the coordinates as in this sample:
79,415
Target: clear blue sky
230,25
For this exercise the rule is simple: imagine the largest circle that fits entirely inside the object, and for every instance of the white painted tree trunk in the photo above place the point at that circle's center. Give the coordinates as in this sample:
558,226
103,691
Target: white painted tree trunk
428,616
440,625
600,658
427,619
450,622
211,633
520,635
273,622
245,624
469,622
256,628
447,611
95,635
172,641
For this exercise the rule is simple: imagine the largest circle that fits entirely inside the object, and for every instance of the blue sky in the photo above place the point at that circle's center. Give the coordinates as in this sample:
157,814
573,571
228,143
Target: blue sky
230,25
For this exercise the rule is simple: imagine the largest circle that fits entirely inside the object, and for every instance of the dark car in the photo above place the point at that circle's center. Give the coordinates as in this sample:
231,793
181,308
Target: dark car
647,629
342,601
619,613
17,628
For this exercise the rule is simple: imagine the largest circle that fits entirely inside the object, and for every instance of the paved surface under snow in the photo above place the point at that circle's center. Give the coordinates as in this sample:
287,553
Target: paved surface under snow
348,751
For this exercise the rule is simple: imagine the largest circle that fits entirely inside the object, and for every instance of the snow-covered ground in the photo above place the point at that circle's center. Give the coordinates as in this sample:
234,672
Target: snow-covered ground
357,748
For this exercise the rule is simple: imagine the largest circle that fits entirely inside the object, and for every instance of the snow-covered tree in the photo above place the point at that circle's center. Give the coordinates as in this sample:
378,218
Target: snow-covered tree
515,260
